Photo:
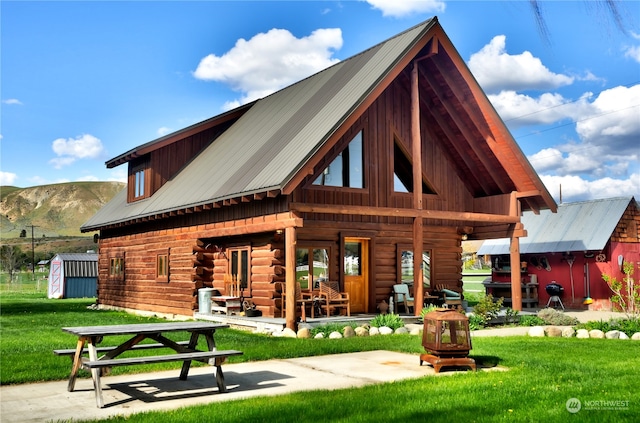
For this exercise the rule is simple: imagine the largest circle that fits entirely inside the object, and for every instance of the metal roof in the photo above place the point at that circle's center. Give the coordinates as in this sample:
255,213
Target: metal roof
266,147
580,226
83,265
276,139
77,256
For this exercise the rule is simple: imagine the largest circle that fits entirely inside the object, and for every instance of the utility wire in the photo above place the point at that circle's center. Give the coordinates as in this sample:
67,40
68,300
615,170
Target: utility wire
577,121
566,103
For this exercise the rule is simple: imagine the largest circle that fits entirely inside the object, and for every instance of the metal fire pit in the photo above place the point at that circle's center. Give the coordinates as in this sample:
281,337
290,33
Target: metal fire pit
447,339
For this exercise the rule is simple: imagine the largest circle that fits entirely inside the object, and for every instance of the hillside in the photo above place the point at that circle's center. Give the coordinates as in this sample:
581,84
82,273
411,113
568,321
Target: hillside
55,210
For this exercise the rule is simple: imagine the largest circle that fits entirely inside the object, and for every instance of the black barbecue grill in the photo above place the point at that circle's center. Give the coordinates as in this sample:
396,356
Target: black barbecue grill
555,291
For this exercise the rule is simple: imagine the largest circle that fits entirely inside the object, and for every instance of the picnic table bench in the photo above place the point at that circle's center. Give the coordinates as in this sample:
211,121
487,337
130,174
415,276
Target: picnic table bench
90,336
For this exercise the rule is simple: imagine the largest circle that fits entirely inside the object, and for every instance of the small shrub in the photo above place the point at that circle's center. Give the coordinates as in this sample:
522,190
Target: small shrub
487,308
594,324
511,315
627,325
427,309
530,320
391,320
557,318
627,291
475,322
472,298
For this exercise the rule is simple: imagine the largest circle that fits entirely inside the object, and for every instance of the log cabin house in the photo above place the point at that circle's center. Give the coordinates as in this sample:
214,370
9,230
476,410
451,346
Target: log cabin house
347,175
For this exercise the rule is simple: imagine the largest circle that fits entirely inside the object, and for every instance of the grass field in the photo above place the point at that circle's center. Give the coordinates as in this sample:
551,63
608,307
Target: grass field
543,373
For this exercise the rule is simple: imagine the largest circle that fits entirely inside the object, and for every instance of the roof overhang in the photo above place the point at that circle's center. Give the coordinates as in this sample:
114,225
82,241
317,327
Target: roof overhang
177,136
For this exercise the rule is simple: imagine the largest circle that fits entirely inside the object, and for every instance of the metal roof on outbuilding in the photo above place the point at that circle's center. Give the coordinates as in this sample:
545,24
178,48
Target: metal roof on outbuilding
580,226
78,264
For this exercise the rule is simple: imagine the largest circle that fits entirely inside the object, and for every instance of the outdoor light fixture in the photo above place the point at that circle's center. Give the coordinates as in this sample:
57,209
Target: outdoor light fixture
465,231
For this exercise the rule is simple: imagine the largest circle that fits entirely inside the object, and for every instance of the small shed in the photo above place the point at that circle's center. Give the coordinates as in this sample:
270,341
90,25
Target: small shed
73,275
574,248
42,265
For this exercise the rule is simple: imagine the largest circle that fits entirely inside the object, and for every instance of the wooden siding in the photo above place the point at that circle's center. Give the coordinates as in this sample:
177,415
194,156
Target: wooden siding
628,228
165,162
385,121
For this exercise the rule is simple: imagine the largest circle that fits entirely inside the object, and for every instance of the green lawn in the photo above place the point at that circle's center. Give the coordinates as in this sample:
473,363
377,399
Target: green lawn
544,373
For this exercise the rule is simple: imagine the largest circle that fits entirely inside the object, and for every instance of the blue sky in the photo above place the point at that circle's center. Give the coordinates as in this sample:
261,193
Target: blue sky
84,81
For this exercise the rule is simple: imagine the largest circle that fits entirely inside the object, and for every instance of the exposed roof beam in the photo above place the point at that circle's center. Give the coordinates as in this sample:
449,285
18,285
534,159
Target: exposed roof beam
398,212
461,124
451,136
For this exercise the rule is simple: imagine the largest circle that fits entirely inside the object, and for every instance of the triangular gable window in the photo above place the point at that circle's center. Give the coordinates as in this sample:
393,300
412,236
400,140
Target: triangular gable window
403,173
346,170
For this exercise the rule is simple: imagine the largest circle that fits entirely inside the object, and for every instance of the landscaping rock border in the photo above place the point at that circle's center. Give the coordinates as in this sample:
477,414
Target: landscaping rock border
570,332
416,330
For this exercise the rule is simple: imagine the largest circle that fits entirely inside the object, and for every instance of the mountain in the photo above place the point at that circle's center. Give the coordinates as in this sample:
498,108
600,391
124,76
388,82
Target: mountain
56,210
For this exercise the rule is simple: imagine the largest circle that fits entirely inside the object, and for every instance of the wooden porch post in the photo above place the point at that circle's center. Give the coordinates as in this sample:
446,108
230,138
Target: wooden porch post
516,290
290,276
514,256
416,150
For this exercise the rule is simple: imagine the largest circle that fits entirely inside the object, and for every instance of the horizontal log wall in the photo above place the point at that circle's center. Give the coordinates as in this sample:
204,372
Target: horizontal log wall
191,267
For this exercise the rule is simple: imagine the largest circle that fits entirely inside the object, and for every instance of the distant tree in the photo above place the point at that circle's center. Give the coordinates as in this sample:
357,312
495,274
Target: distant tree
10,257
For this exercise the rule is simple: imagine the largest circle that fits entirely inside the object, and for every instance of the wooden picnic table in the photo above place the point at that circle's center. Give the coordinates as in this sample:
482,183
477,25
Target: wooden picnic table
90,336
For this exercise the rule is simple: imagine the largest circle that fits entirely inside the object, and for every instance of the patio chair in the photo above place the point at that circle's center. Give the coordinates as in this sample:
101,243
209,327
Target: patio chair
401,296
452,299
303,300
332,299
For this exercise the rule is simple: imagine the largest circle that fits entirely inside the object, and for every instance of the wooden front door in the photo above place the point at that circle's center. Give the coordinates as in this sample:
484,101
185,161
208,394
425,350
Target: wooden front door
356,273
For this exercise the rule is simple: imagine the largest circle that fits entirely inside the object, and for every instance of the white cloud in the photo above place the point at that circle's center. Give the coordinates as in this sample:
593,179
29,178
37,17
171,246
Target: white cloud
519,109
633,52
118,174
12,101
7,178
401,8
575,188
270,61
163,130
614,121
546,159
69,150
60,162
496,70
570,159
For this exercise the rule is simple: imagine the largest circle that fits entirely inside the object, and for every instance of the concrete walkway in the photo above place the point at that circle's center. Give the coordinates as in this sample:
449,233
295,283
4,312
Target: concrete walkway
128,394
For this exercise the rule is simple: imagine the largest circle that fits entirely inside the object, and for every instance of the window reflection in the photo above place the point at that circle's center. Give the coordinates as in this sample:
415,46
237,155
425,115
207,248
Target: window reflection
406,266
312,266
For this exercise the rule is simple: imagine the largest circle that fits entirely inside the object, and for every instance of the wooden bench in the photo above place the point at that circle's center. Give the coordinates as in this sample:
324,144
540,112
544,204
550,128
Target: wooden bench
218,357
203,356
71,352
